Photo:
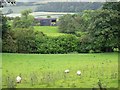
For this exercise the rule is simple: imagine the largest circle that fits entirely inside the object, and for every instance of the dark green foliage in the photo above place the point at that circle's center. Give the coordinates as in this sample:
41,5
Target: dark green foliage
4,25
104,30
9,43
1,24
84,44
54,45
112,6
26,40
16,22
98,29
66,24
61,44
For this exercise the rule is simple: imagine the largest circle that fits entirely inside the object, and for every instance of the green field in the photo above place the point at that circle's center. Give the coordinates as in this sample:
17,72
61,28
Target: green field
48,30
47,70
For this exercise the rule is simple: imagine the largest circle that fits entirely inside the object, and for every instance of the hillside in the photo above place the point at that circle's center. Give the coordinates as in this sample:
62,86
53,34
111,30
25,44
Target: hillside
69,6
53,7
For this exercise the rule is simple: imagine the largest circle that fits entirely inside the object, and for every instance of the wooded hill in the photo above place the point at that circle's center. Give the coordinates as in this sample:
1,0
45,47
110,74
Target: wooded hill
63,6
69,6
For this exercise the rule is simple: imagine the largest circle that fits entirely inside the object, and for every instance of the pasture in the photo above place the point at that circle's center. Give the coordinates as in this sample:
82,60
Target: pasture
47,70
48,30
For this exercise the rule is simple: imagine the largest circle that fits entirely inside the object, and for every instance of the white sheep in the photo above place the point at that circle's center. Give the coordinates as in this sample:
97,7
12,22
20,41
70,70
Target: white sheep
79,72
67,71
18,79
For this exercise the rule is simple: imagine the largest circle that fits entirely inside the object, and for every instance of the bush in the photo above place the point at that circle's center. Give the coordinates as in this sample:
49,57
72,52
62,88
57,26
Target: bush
61,44
26,40
9,43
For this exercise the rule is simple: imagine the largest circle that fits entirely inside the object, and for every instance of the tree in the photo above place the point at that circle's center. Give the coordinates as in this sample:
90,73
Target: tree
0,24
25,21
66,24
104,30
27,40
9,43
8,40
112,6
16,22
5,27
25,13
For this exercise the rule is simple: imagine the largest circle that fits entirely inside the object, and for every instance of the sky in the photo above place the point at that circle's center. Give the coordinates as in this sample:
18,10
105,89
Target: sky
66,0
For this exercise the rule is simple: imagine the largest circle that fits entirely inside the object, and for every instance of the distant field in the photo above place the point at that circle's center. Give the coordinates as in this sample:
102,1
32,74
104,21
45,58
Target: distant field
47,70
18,9
49,30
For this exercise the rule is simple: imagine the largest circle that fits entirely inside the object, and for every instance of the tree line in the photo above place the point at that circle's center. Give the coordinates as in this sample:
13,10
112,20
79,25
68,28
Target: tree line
98,29
68,6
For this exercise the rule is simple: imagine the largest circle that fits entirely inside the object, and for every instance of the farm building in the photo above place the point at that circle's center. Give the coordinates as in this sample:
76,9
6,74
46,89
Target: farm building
47,21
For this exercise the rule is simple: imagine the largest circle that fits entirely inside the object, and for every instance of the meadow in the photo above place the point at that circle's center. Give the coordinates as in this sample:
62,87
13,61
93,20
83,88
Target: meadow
49,30
47,70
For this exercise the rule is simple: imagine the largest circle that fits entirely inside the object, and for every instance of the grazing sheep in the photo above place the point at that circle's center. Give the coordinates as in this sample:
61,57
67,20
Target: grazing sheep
67,71
78,72
18,79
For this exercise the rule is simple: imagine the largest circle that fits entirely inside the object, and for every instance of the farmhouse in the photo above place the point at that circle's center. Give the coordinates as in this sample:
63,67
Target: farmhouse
47,21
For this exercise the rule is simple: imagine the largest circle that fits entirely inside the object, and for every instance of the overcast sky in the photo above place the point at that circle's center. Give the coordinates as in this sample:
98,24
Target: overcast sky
66,0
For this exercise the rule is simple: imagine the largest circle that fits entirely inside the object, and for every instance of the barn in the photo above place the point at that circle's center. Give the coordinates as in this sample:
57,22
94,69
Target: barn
47,21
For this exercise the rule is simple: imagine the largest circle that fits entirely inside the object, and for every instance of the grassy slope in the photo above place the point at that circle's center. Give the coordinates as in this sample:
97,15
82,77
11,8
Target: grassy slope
49,30
49,69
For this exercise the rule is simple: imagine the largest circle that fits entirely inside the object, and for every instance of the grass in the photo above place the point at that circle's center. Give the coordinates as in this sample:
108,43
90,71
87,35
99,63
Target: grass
48,30
47,70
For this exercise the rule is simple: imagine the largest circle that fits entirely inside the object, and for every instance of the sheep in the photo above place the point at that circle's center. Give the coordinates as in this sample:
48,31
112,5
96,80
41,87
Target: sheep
67,71
79,72
18,79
